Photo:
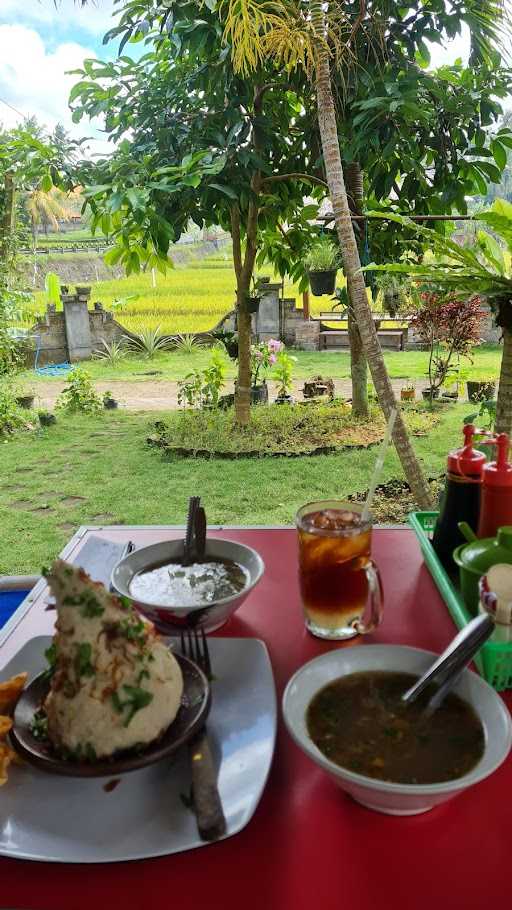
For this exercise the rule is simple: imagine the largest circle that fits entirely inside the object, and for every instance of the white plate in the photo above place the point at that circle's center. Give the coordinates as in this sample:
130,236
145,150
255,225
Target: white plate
71,820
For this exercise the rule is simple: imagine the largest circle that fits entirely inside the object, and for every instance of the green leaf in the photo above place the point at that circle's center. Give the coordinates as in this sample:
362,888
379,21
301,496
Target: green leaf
46,183
228,190
499,153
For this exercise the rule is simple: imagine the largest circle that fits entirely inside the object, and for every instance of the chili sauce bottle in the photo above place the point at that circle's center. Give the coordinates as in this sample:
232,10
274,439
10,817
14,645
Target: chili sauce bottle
461,498
496,507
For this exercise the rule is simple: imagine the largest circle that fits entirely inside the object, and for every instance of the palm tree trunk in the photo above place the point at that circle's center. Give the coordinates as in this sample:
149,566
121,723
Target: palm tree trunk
358,365
352,264
504,404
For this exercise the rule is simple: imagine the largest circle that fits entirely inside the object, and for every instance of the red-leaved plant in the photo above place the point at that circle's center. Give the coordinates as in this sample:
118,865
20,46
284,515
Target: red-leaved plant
451,328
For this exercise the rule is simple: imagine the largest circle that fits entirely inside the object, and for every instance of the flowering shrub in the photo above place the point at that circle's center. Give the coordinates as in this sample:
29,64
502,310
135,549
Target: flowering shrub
263,356
450,327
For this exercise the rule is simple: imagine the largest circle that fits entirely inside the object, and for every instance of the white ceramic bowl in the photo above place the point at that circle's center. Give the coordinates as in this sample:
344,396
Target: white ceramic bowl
395,799
211,616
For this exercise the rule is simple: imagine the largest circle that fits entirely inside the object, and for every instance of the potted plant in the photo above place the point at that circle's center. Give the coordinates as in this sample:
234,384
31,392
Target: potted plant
283,376
109,402
25,399
481,389
46,418
263,356
393,290
230,342
254,297
408,392
322,263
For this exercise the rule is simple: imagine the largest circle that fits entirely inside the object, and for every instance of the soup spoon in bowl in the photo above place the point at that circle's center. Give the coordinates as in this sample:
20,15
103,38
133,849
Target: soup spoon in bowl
446,670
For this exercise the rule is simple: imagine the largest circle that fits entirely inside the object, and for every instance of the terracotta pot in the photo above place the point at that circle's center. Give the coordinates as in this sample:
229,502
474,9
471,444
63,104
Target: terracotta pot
407,394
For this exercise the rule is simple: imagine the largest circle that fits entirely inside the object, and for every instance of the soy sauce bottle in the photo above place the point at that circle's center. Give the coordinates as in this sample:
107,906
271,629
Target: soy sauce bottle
461,498
496,510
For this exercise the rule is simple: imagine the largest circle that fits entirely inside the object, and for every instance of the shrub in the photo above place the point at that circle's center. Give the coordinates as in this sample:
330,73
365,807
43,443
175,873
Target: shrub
201,388
11,416
79,395
450,327
186,344
148,342
111,351
283,372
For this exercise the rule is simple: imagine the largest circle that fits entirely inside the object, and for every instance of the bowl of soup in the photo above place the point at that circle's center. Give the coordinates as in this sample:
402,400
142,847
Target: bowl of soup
344,710
204,594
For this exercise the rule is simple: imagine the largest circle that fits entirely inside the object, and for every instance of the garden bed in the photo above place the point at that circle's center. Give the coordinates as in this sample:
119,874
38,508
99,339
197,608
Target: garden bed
278,431
394,500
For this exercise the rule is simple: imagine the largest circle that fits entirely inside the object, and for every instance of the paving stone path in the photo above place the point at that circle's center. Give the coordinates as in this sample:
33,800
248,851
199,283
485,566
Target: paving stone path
163,395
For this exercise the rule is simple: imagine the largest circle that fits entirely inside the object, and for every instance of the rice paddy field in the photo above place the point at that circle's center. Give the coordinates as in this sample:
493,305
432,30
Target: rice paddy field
192,297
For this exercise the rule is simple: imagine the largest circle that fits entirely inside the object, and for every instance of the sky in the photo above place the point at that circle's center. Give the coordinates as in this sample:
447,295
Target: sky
40,41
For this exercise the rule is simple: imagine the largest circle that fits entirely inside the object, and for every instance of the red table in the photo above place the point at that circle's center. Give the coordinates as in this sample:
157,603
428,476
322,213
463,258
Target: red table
308,845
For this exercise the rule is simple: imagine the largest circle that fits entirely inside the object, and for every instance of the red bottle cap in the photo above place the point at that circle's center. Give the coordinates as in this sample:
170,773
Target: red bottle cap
467,460
499,473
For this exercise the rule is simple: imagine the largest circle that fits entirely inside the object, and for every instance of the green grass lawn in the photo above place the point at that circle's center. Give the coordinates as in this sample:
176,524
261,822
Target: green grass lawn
174,365
100,471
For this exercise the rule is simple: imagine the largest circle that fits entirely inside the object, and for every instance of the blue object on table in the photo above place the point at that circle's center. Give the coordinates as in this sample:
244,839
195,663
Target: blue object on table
9,602
52,369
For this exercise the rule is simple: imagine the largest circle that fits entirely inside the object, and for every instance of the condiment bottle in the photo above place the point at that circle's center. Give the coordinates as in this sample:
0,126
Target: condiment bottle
461,497
496,506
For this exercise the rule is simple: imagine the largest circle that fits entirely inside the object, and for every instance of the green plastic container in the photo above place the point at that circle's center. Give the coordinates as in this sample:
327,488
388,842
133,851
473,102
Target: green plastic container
494,660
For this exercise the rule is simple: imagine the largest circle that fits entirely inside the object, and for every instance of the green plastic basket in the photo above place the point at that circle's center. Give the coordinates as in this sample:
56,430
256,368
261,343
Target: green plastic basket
494,660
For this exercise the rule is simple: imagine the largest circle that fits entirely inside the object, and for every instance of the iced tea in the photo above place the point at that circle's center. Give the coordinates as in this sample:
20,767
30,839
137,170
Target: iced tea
336,572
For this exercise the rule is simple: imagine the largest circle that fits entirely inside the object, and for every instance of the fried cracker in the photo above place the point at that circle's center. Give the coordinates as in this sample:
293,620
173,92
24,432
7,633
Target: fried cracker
10,691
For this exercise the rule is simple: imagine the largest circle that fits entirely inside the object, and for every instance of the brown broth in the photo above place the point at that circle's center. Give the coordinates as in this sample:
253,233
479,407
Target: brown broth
359,722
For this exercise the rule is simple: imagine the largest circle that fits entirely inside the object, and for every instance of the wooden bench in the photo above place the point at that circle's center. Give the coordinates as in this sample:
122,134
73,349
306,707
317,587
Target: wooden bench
393,339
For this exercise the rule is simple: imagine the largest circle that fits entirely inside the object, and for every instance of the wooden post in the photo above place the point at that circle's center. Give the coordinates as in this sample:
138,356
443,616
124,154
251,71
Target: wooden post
305,305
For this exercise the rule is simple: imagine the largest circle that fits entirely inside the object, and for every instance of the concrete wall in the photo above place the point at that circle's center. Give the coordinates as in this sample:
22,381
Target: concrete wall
54,340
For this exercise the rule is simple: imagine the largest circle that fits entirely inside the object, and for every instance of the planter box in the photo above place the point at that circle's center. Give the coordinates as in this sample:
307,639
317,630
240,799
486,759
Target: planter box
407,394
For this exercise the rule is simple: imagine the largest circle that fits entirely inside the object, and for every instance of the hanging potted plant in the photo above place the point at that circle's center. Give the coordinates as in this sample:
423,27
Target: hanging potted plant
283,376
254,296
393,290
322,262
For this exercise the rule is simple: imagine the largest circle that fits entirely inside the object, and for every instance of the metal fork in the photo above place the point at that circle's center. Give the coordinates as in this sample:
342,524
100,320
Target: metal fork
211,822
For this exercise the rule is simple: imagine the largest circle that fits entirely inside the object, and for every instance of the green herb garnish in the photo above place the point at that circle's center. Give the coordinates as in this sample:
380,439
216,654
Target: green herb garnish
136,699
39,725
82,663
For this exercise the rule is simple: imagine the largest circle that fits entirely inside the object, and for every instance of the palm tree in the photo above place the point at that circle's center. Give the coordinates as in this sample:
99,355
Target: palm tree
290,37
46,209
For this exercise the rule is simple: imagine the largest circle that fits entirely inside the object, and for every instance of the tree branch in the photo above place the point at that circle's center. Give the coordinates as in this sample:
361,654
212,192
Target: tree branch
258,96
308,178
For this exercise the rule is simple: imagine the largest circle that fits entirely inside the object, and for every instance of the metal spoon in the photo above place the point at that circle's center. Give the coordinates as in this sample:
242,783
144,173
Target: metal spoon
445,671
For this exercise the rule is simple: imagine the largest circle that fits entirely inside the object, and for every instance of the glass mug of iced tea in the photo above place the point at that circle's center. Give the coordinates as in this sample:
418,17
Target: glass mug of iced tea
339,582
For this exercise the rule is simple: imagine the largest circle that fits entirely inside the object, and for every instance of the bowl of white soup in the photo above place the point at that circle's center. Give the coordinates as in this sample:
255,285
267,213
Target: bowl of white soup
204,594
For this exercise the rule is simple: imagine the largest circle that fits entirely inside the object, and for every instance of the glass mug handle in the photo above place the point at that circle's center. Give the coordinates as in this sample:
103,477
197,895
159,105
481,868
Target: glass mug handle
376,599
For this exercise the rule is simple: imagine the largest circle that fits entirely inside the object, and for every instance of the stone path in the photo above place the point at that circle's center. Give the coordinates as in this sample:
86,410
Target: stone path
151,395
